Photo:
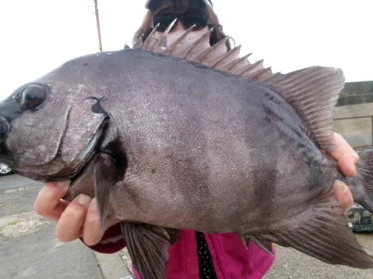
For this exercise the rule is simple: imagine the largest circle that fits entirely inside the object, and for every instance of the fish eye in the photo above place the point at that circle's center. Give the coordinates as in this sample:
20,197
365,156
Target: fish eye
32,96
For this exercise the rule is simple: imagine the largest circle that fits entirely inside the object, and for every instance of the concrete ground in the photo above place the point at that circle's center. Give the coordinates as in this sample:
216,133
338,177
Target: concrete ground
28,248
291,264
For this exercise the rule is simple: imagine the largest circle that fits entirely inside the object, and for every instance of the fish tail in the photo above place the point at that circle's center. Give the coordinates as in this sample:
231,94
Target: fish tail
362,185
322,232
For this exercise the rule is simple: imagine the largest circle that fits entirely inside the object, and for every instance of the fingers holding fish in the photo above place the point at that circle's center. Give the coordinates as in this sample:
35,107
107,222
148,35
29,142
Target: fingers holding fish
345,155
49,201
347,158
343,194
71,223
347,164
70,217
92,232
90,228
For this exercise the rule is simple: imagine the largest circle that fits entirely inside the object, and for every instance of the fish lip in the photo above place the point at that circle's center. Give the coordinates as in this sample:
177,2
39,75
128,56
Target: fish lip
4,151
4,127
5,155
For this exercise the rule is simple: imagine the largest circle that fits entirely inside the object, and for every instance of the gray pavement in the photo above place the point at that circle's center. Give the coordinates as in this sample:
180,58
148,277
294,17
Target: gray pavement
15,181
291,264
29,249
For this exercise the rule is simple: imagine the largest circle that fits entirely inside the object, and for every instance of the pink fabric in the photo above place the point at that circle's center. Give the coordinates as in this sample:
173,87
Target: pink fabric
230,258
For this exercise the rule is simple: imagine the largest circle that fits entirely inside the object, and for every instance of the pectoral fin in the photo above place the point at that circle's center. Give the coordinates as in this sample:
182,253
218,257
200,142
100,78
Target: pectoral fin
148,247
105,177
83,184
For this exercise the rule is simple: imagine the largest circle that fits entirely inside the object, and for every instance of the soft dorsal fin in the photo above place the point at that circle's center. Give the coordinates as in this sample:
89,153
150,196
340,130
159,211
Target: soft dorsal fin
313,92
182,48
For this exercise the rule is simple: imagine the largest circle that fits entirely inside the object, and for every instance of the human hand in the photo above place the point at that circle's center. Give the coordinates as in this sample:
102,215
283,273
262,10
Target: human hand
347,158
78,218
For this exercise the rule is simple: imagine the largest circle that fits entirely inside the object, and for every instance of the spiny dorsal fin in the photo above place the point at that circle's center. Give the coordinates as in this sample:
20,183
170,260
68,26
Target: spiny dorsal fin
250,68
237,63
209,56
162,42
149,42
313,92
260,74
195,49
226,58
176,46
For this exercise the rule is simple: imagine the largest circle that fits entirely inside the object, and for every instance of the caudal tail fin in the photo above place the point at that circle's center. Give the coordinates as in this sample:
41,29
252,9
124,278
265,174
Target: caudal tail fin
362,185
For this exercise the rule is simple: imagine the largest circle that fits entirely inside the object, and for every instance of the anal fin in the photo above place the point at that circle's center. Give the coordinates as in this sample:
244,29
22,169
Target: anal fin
148,247
322,232
264,245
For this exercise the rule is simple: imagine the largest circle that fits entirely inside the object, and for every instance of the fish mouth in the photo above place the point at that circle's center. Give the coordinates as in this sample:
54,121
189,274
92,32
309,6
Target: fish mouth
5,154
4,151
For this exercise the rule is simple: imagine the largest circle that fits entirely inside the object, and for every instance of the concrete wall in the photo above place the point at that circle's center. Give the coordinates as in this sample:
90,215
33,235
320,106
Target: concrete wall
356,93
355,123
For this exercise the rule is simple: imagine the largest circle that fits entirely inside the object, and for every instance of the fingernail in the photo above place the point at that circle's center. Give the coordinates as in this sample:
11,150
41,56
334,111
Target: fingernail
83,199
63,184
352,162
356,158
341,186
93,207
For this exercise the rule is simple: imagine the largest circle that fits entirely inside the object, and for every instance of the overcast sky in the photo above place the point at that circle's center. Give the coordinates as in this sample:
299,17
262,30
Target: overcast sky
39,35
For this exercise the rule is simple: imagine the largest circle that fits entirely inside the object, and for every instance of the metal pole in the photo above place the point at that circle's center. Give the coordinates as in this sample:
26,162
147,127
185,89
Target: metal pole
98,26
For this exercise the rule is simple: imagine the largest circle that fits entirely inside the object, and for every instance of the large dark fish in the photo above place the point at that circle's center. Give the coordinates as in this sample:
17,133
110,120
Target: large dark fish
172,144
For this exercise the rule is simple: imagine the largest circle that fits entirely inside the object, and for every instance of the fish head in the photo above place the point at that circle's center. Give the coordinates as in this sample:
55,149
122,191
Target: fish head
51,127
